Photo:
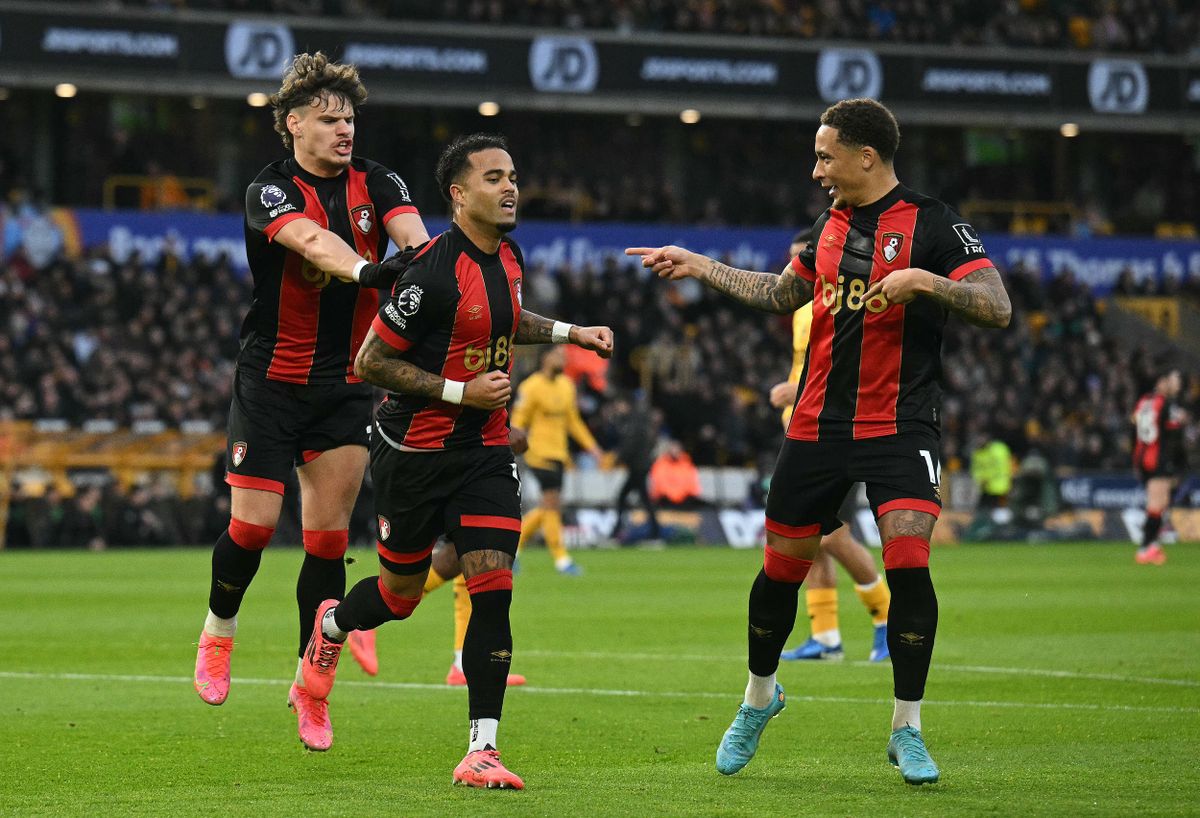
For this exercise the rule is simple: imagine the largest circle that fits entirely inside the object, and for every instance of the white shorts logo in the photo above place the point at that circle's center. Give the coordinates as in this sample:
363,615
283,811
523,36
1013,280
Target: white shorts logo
385,528
239,453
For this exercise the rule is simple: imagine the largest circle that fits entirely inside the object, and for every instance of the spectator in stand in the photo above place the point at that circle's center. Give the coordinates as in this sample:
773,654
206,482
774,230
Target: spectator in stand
674,478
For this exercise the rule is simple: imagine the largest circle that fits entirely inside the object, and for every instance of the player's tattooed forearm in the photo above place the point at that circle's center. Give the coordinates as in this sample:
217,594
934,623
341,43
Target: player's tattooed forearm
980,298
375,365
533,329
764,291
480,562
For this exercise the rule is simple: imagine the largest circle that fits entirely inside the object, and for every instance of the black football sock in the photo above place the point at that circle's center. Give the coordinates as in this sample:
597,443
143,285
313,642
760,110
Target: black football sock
319,580
1152,528
487,653
233,568
773,606
912,626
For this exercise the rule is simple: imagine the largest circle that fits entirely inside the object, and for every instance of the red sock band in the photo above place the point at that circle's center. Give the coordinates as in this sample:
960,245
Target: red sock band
401,606
497,580
1154,515
906,552
249,536
328,545
782,568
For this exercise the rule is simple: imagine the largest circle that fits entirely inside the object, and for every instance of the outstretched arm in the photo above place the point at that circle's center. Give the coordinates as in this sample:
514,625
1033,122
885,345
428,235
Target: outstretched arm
979,297
534,329
782,293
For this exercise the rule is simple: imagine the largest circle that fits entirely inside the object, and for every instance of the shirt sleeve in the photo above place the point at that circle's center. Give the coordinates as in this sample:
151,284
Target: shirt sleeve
389,193
805,264
420,301
271,203
952,248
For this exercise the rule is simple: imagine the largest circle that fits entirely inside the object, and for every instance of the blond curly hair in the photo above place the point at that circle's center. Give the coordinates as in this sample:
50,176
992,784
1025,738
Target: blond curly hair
314,77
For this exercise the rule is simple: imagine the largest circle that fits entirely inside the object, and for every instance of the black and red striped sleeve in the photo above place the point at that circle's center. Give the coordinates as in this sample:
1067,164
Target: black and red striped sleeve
948,244
272,201
389,193
421,301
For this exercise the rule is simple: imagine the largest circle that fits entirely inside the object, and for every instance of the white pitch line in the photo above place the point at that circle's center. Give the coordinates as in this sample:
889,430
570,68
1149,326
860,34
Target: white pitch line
589,691
937,666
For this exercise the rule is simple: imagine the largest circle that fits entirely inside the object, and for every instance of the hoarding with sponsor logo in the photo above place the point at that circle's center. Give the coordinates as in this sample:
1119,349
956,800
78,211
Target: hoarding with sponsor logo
1096,262
442,63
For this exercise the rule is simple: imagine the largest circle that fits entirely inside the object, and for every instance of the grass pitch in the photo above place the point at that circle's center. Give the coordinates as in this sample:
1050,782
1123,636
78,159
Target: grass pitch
1066,681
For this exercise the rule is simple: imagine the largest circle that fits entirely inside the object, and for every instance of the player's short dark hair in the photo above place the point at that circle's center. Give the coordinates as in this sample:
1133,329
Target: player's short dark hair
864,123
311,77
457,157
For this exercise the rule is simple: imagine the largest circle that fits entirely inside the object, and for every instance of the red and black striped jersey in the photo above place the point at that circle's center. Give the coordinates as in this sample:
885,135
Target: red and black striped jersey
1158,430
874,368
454,312
305,326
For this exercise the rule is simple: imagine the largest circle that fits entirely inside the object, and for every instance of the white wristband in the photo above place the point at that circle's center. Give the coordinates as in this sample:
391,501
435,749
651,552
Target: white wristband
357,271
452,391
561,333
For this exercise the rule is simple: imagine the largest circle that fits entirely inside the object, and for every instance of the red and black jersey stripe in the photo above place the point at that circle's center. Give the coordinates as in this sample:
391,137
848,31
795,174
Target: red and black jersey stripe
872,368
304,326
468,306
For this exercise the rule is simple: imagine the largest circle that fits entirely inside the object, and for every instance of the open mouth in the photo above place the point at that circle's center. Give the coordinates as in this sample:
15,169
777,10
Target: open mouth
833,191
343,147
508,205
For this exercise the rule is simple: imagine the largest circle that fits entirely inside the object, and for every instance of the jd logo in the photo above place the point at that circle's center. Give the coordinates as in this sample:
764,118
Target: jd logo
1118,86
258,50
847,73
566,65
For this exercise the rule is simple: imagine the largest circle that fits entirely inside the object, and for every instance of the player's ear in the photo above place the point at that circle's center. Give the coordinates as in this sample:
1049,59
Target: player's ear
293,125
868,157
457,194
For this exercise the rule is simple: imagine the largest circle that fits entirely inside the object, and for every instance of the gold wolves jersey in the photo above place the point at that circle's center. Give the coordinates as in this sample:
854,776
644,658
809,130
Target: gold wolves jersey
547,411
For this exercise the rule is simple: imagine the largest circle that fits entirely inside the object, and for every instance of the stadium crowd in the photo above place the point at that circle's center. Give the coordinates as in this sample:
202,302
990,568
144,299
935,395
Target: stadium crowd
95,339
1160,26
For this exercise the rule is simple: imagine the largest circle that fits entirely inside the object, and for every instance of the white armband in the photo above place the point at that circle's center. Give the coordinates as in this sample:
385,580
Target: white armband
357,271
561,333
452,391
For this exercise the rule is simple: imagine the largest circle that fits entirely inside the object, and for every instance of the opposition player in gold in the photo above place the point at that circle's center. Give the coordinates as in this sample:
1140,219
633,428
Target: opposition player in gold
547,411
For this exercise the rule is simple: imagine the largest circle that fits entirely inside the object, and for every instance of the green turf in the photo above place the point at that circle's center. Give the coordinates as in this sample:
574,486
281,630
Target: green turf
1066,682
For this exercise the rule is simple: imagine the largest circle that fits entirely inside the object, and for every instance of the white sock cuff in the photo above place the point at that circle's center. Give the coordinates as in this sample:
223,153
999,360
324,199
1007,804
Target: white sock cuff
216,626
870,586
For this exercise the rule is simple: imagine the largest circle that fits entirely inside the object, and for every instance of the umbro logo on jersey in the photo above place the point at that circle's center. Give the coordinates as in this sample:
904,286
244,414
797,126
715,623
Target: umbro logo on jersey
385,528
830,238
891,244
364,217
476,312
239,453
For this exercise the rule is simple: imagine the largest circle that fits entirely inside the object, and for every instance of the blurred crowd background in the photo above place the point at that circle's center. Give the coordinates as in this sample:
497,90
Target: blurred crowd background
131,342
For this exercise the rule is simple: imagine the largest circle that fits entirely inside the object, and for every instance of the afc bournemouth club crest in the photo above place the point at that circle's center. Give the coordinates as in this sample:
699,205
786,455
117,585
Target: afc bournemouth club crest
517,287
892,242
239,453
385,528
364,217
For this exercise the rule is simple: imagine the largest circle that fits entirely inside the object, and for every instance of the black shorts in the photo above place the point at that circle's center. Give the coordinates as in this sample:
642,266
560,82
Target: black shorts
550,479
275,426
472,495
812,479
